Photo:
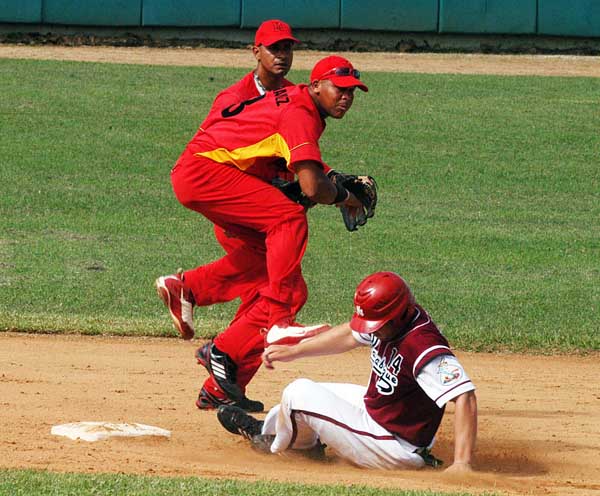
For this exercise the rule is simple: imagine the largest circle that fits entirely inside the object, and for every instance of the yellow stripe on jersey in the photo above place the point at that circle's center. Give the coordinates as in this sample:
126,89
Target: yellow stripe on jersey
245,157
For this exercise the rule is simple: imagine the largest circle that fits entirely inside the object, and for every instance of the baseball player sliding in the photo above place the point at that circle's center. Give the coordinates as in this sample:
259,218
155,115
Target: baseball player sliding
391,423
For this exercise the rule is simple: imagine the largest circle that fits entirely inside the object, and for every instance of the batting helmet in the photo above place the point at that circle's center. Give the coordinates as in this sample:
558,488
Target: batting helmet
380,298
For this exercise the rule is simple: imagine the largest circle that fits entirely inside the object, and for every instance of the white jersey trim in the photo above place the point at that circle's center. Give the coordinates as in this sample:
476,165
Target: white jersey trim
420,357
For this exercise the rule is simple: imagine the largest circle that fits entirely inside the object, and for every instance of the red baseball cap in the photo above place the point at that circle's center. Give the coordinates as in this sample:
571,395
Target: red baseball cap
339,71
272,31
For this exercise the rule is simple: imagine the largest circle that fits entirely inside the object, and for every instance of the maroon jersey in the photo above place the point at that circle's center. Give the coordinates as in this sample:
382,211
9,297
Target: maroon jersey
394,399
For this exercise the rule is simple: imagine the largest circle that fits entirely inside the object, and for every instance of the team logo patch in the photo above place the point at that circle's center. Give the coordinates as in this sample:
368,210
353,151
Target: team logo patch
359,311
449,372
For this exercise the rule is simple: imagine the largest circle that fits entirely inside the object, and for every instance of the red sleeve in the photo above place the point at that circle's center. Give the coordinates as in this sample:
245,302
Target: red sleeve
301,130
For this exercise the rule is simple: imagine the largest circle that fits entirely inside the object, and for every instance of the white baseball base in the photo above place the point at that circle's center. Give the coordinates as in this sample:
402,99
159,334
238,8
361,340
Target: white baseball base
95,431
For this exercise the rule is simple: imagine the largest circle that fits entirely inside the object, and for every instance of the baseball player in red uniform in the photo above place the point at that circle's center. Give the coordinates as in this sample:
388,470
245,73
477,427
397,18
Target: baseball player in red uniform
273,51
225,174
393,421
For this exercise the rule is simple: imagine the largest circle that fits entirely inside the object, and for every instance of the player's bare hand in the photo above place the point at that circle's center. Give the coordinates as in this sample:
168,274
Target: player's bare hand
278,353
459,468
266,360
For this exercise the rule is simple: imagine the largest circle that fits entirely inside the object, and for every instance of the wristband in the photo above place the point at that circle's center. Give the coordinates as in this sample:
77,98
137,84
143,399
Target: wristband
342,194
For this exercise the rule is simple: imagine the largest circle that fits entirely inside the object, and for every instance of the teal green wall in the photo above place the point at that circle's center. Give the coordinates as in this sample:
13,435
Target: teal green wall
513,17
390,15
92,12
298,13
569,17
27,11
488,16
191,13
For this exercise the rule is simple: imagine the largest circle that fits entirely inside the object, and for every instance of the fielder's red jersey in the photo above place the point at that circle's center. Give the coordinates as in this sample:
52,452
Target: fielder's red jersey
394,398
244,89
260,135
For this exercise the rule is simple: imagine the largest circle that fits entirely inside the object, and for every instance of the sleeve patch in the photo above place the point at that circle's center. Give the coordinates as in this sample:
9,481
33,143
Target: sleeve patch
449,372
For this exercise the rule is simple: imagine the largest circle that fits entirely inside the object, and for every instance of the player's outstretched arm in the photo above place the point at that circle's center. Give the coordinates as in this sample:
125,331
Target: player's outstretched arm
336,340
465,432
318,187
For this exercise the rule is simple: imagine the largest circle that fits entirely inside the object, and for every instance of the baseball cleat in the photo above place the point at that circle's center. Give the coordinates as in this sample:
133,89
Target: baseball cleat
222,369
237,421
428,458
210,401
262,442
180,302
317,452
293,334
202,355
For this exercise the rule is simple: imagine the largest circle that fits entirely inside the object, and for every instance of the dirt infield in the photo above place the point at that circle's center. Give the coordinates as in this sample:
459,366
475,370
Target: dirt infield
539,416
547,65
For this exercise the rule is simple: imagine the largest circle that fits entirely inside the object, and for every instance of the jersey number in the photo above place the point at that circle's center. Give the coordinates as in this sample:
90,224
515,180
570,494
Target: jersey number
236,108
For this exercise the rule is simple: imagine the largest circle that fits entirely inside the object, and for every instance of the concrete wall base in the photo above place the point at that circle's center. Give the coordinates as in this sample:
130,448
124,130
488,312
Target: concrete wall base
314,39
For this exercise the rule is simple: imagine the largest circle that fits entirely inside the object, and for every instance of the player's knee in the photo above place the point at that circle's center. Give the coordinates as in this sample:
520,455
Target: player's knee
293,214
294,209
292,227
300,294
295,390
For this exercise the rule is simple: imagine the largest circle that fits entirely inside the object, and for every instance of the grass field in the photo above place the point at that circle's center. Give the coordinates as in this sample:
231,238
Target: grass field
489,208
489,201
26,483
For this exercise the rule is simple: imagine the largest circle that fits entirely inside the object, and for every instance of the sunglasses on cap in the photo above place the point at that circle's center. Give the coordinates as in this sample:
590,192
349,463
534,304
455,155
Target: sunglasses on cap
342,71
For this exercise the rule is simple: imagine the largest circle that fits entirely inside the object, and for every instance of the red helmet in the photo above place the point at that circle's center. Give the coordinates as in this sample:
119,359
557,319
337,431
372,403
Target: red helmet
379,298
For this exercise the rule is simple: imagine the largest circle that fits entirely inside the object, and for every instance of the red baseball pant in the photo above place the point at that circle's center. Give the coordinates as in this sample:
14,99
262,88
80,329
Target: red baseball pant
272,232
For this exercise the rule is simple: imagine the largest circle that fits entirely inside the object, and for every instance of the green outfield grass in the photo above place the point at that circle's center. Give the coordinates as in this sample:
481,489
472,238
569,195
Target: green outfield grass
489,201
32,483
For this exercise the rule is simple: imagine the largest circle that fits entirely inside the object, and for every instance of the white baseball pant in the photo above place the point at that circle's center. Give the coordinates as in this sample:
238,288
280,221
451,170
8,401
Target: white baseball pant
336,414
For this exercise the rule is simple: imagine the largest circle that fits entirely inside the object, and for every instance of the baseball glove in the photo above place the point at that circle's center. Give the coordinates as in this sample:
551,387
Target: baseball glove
292,190
365,190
